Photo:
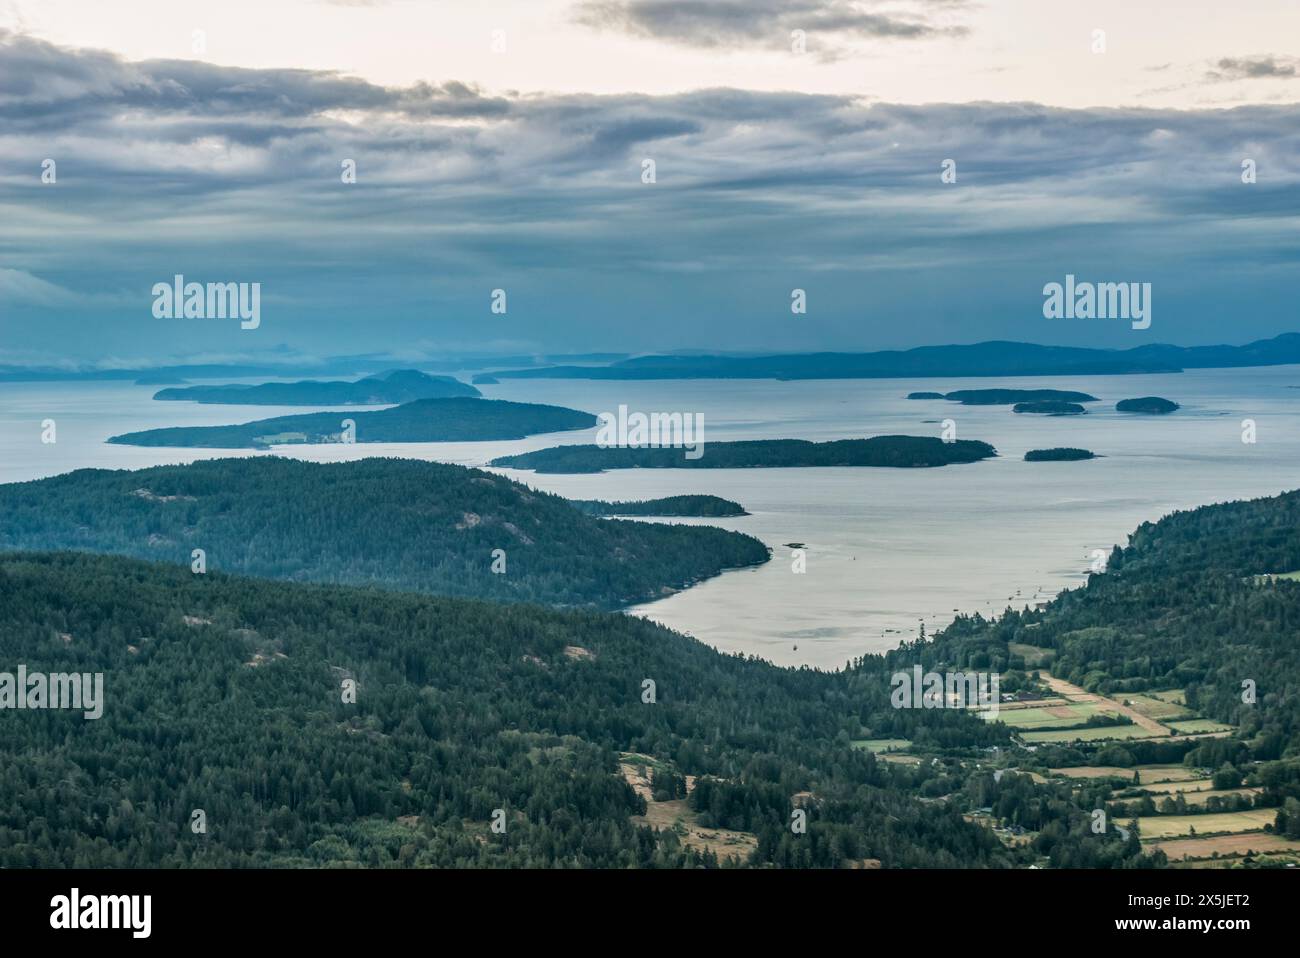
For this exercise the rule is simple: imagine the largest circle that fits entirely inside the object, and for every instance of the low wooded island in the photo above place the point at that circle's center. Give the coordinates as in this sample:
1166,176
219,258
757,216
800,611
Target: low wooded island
891,451
1049,408
398,386
703,506
425,420
1153,405
1059,454
1006,397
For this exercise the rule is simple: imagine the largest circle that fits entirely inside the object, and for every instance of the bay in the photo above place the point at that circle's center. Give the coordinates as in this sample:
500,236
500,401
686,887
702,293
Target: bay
887,550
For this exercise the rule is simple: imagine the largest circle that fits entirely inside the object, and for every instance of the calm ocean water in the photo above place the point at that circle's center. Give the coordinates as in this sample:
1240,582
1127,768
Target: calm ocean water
887,549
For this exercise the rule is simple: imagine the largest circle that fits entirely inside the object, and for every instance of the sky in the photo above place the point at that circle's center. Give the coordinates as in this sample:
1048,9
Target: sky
796,145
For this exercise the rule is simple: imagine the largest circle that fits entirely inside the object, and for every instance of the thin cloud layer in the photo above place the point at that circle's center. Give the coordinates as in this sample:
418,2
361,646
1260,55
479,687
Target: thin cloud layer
767,24
173,166
1255,68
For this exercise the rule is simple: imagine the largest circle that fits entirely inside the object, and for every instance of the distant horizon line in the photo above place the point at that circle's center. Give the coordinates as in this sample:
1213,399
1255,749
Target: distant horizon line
537,365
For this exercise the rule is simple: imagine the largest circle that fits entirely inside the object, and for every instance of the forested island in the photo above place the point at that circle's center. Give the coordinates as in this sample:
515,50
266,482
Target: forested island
1049,408
703,506
425,420
398,386
396,523
1059,454
1007,397
1153,405
891,451
925,395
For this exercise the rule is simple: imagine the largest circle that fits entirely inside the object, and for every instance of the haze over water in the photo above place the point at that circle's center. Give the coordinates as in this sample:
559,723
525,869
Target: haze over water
886,548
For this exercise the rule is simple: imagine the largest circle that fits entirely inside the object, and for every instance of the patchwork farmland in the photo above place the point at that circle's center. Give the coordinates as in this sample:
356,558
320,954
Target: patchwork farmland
1060,712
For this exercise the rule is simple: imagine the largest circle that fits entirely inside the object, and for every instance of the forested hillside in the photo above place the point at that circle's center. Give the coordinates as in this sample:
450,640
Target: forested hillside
398,523
226,695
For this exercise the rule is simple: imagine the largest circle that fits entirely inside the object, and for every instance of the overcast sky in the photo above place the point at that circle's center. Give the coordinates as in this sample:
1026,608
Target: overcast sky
501,145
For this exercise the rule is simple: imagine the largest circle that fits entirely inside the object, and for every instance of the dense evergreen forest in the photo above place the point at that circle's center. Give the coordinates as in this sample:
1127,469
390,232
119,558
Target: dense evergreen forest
424,420
397,386
399,523
894,451
226,695
710,506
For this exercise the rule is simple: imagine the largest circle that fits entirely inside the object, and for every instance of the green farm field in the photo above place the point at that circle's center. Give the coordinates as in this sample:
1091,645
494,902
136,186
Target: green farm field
1168,826
1088,735
1049,716
1198,726
1155,708
883,744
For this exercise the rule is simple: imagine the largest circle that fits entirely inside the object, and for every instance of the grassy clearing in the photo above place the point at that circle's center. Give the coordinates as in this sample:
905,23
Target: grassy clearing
1166,773
1033,703
1261,579
1196,726
1049,716
1155,708
1201,796
1088,734
1169,826
900,758
1150,774
1176,696
1181,849
1095,771
883,744
637,759
1190,784
1034,656
677,816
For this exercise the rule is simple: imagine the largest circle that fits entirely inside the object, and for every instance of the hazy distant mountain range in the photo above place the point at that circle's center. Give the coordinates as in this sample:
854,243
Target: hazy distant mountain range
397,386
285,365
979,359
996,358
